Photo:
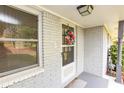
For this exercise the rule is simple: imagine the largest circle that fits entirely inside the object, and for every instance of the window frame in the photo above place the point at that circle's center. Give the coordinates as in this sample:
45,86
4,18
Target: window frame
39,66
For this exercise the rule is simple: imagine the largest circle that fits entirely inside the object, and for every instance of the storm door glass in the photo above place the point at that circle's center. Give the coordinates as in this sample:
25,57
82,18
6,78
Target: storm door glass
67,50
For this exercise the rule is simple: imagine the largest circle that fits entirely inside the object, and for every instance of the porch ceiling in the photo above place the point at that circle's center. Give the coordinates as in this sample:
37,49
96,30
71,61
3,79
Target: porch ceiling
102,14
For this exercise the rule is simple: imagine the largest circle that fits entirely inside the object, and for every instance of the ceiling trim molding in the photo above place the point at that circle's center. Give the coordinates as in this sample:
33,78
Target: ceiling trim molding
40,8
108,31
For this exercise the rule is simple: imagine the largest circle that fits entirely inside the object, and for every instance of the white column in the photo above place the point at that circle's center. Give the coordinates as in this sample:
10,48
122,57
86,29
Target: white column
119,59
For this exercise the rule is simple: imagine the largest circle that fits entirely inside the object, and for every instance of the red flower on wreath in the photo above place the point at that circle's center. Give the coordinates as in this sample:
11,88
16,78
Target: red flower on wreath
69,37
70,33
73,37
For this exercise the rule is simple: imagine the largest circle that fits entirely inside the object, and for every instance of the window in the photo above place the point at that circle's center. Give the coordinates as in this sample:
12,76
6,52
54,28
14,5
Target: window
68,55
18,39
67,50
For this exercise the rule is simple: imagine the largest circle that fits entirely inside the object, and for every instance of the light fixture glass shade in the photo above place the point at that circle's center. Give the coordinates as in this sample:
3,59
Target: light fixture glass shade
90,9
85,9
85,13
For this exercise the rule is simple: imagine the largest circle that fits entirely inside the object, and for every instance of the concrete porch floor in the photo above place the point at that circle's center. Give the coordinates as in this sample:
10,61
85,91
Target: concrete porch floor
87,80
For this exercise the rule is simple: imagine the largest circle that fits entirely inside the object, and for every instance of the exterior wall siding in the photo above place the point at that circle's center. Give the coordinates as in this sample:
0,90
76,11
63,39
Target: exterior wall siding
80,50
106,45
96,44
52,59
107,42
89,53
93,50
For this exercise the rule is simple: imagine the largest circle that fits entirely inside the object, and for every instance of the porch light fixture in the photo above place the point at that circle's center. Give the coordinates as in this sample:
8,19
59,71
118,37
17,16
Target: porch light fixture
85,9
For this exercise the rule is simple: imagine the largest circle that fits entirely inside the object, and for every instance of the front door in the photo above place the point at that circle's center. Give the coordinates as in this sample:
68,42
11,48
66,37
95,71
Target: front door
68,53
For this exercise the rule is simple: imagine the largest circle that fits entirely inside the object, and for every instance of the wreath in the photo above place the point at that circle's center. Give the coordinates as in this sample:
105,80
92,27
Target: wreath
69,37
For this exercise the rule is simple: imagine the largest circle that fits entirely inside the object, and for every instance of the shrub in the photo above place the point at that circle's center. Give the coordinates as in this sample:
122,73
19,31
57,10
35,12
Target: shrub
113,53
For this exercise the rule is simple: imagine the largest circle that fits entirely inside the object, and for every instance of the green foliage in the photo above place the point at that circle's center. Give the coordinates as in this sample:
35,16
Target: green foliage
113,54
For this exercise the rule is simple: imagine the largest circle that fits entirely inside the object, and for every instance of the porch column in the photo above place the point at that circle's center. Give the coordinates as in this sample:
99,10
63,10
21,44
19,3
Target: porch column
119,59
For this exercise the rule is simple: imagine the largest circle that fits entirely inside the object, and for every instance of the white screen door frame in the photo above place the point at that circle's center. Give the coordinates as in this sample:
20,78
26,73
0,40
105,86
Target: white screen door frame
69,70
